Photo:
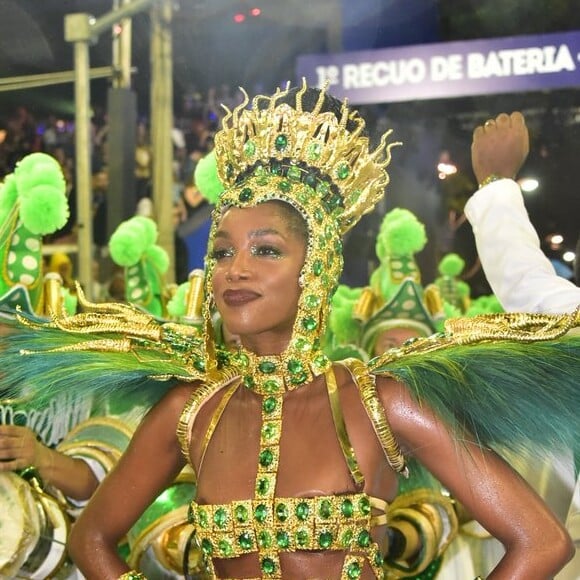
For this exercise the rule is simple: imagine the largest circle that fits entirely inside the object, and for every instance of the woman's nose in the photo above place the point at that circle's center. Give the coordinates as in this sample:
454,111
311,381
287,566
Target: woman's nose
238,267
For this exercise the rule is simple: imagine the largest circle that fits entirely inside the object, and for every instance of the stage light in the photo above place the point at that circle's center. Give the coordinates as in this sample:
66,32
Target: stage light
446,169
568,256
255,12
528,184
556,239
239,17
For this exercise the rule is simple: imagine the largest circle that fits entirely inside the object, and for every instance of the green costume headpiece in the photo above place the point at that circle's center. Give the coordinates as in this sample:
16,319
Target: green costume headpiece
133,246
396,298
33,203
321,164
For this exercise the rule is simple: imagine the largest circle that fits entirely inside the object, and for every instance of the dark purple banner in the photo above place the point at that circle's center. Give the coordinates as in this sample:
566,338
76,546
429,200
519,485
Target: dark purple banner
451,69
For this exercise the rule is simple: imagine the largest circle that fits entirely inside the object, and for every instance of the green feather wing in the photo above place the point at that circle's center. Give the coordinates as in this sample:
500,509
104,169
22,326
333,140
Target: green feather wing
511,380
115,352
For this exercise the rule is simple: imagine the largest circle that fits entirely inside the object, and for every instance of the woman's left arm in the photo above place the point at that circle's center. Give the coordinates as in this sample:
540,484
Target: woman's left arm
537,545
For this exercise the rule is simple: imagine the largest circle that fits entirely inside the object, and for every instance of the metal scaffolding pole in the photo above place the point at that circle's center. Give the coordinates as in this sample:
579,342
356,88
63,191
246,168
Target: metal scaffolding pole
161,126
122,49
48,79
78,30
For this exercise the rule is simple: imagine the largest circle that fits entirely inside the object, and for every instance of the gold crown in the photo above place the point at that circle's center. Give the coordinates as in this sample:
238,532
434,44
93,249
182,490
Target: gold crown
312,147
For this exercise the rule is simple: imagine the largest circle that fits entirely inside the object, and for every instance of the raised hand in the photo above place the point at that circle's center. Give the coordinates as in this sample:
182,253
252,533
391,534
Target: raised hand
500,146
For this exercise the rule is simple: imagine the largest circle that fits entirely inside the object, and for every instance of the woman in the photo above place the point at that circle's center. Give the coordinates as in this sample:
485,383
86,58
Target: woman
297,458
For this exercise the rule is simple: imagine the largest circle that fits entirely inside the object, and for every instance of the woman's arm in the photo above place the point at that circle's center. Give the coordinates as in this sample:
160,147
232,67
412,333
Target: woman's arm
537,545
149,465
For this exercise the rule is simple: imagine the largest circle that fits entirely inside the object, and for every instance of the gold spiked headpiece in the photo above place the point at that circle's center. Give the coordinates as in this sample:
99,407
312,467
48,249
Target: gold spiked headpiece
320,163
313,147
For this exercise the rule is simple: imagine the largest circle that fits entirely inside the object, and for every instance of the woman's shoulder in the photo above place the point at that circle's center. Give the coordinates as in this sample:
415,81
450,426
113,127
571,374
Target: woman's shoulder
179,395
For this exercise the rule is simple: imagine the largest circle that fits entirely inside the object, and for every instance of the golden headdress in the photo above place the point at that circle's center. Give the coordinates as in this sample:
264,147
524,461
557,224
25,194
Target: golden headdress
320,162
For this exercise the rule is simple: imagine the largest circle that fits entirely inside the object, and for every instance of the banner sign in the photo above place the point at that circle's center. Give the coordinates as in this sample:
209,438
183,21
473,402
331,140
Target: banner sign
450,69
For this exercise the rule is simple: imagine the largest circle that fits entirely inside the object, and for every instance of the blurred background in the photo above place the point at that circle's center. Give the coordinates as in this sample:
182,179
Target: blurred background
219,45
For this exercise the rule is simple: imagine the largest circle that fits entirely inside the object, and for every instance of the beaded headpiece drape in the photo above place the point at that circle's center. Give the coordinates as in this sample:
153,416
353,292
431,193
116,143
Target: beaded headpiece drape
321,164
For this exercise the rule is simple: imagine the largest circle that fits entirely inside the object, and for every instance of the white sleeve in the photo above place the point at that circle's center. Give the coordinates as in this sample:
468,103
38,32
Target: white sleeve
99,472
519,273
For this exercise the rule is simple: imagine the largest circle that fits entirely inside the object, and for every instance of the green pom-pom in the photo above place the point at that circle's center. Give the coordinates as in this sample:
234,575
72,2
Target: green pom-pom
451,265
402,233
158,257
177,305
127,244
484,305
41,189
131,239
38,169
149,228
45,210
206,178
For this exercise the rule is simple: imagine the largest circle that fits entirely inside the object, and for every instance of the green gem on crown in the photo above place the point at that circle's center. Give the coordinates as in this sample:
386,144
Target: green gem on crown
302,538
246,195
317,267
309,323
314,151
294,173
285,186
343,171
249,148
281,142
364,505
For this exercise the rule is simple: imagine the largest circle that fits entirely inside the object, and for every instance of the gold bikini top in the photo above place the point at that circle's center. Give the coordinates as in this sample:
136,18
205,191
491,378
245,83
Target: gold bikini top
271,525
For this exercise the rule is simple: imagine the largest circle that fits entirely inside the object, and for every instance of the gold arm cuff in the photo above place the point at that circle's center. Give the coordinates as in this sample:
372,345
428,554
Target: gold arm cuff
377,415
490,179
132,575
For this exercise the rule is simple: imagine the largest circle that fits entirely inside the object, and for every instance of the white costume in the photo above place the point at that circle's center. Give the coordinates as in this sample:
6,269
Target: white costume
524,280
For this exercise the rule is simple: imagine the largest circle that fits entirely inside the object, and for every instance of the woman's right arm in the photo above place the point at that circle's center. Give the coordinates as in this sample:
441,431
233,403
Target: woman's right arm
537,545
148,466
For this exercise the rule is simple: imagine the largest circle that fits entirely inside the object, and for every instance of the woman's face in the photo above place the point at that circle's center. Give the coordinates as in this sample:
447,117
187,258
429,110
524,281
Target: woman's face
258,256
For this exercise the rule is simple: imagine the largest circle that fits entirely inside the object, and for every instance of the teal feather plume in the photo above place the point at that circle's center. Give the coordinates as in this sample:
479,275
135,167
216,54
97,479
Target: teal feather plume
42,360
510,395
